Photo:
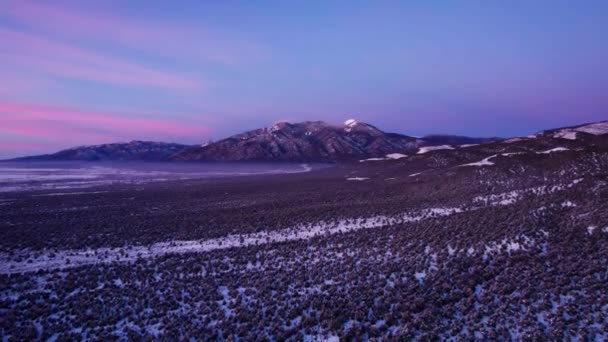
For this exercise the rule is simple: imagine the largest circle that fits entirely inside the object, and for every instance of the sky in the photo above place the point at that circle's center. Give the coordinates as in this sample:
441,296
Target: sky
87,72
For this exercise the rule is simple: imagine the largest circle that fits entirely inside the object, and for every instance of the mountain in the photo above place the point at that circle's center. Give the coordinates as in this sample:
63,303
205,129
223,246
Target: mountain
308,141
570,150
131,151
318,141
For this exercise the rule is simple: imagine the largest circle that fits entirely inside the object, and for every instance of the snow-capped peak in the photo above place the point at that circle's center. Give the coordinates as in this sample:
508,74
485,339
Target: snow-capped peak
350,123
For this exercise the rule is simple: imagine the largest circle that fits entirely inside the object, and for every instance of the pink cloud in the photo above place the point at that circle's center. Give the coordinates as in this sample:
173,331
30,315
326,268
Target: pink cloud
64,60
159,38
46,122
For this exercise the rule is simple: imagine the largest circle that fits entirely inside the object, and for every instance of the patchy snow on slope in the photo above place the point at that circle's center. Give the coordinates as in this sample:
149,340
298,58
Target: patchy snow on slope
357,178
565,134
598,128
505,198
513,140
392,156
467,145
427,149
60,259
73,258
396,156
557,149
371,159
487,162
350,122
483,162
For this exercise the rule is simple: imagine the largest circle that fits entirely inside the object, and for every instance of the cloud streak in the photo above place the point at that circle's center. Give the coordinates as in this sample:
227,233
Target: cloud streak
178,41
59,59
62,126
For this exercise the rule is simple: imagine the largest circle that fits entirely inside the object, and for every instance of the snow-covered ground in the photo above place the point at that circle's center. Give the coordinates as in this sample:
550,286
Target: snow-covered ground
67,175
74,258
33,261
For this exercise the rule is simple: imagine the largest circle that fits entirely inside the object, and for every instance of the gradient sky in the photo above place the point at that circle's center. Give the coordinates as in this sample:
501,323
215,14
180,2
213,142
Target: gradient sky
86,72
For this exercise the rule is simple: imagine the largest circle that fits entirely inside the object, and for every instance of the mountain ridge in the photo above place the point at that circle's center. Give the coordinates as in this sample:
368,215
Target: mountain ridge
135,150
308,141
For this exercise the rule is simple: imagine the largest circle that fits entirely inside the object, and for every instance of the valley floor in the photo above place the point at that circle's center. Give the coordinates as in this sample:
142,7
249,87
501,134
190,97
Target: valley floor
432,250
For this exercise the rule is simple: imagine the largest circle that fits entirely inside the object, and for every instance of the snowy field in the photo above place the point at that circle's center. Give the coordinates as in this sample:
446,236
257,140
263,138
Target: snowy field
26,176
28,261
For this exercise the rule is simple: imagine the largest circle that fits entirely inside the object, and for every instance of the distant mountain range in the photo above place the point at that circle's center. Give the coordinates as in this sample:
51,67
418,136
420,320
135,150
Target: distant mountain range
311,141
131,151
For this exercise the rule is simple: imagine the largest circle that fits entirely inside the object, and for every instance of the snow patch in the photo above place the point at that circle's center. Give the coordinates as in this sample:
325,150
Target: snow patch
396,156
427,149
349,124
565,134
371,159
568,204
487,162
557,149
392,156
357,178
483,162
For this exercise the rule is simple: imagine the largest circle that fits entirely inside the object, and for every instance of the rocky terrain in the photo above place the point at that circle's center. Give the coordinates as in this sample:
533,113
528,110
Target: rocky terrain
504,240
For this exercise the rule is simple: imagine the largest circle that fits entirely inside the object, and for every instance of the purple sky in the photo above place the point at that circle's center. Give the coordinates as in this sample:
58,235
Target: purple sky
87,72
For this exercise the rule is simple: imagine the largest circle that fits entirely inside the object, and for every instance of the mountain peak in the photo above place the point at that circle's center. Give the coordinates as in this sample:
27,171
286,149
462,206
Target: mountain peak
350,124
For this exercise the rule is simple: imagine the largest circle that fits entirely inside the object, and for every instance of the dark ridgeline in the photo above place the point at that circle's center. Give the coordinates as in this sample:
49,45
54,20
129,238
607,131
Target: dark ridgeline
130,151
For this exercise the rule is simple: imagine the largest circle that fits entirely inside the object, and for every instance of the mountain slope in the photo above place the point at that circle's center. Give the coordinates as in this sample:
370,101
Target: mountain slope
131,151
306,141
505,159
